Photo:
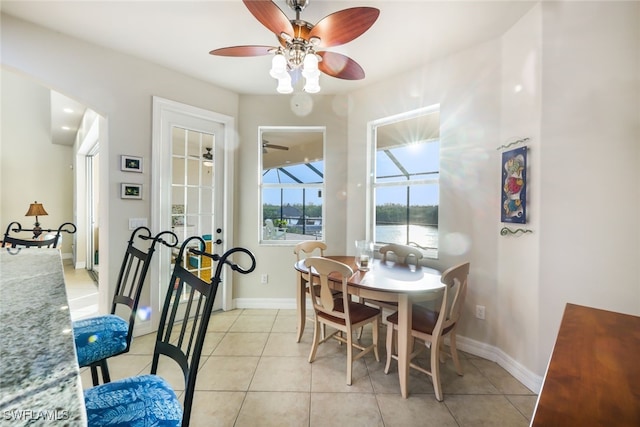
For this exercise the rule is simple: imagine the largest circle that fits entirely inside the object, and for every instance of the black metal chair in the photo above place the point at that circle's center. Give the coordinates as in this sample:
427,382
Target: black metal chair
13,239
149,399
101,337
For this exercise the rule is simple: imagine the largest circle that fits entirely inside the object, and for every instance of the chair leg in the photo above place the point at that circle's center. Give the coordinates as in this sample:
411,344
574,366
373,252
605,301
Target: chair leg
316,338
94,375
435,370
454,353
349,356
389,347
105,372
376,328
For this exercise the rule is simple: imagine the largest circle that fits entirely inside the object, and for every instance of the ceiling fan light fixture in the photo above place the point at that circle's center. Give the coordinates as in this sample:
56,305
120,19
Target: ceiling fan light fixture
284,84
278,66
312,85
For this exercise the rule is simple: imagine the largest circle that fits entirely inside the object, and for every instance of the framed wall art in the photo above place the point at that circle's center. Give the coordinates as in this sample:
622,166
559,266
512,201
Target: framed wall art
130,191
130,163
514,186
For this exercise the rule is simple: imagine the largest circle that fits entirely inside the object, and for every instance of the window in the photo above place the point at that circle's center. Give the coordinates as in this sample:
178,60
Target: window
405,185
292,184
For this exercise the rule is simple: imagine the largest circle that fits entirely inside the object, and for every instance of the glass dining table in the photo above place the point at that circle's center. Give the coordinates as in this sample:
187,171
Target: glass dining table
384,281
39,373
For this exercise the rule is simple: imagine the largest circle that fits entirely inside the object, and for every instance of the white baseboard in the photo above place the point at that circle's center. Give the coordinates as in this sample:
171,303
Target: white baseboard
529,379
81,265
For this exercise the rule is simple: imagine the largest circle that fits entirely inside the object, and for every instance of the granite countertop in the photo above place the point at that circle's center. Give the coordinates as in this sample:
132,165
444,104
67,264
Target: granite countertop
39,374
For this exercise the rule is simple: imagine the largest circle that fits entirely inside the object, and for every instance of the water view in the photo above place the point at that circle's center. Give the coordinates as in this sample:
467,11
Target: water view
425,236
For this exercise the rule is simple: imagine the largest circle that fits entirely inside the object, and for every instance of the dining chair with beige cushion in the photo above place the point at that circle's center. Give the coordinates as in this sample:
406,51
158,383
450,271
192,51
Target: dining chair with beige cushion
431,327
342,314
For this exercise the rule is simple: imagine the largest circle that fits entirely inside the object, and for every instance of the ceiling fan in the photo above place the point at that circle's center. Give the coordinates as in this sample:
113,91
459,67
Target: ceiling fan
301,43
266,144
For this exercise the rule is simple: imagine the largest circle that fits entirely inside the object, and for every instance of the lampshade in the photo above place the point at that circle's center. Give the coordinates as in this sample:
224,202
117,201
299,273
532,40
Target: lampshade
36,209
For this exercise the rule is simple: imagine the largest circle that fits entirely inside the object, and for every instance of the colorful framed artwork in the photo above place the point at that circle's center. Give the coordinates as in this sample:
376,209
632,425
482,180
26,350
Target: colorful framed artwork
130,163
514,186
130,191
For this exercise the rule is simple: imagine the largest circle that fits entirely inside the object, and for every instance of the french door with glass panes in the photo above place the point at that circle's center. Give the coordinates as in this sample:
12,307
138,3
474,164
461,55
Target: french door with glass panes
189,186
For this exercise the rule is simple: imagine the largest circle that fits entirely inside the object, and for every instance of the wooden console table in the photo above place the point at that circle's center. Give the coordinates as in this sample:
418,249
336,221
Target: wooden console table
593,377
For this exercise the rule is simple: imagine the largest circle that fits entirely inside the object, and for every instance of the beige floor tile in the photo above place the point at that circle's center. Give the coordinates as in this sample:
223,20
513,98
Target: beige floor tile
484,410
274,409
282,374
143,344
419,383
329,374
284,344
419,410
503,381
253,323
211,342
241,344
216,408
222,321
525,404
344,409
122,366
223,373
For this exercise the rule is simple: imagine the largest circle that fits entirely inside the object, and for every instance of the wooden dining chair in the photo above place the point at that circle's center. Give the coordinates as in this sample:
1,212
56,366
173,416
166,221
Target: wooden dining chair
305,250
431,327
102,337
13,239
403,253
342,314
147,400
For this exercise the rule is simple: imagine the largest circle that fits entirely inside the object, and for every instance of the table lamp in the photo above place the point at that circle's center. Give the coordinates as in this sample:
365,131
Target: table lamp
36,209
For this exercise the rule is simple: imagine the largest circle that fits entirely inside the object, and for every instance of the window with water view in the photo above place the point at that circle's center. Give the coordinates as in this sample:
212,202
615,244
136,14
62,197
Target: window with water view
406,183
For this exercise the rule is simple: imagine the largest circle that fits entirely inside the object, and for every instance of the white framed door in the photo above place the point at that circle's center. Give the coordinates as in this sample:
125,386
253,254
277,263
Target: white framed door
189,190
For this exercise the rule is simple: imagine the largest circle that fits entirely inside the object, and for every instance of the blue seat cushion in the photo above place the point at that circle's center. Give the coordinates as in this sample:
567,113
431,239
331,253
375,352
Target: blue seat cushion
99,337
146,400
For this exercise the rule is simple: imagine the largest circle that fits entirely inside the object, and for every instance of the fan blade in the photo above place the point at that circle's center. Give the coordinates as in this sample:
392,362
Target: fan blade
277,147
340,66
243,51
270,15
343,26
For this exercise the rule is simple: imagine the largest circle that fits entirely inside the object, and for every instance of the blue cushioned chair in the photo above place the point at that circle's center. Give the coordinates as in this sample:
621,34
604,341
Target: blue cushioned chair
101,337
148,400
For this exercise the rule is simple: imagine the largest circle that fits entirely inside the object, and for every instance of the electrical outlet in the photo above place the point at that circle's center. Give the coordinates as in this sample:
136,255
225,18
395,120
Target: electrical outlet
480,312
264,279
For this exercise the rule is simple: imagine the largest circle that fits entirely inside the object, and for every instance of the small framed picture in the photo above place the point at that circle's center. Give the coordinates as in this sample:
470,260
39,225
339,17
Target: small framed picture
130,191
130,163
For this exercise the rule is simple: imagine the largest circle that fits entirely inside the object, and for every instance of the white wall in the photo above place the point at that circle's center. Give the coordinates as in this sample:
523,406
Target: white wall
580,106
276,261
590,136
120,88
32,167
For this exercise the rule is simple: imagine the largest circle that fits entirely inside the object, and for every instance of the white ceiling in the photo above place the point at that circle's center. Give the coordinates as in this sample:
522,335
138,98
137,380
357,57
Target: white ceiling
179,34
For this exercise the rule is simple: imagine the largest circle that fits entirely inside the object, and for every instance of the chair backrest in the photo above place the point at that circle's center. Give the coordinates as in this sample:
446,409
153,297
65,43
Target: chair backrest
455,281
181,338
403,253
133,272
21,241
306,249
323,301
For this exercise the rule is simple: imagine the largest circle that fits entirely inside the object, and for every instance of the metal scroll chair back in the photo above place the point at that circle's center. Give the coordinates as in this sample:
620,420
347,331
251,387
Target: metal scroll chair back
183,326
101,337
13,239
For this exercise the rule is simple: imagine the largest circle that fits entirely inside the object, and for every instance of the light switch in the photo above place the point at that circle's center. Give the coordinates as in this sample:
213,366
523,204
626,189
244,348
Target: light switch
137,222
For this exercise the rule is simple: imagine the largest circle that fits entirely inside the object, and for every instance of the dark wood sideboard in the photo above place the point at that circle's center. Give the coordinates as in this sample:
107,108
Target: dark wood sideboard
593,377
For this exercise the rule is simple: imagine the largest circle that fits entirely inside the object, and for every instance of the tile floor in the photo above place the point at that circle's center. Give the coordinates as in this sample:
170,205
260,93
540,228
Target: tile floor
253,373
82,292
